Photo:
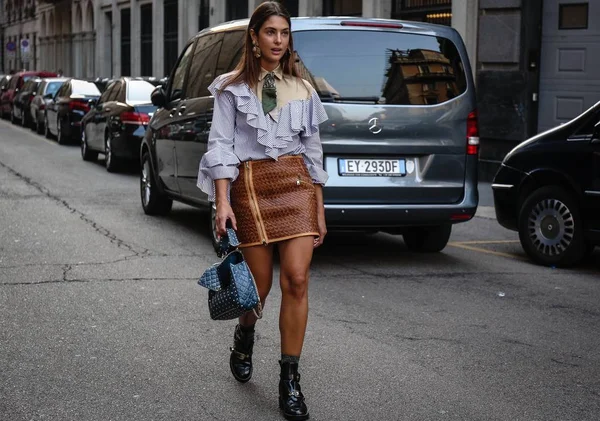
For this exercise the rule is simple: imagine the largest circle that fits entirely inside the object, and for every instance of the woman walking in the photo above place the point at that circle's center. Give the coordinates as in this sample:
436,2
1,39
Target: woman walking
264,171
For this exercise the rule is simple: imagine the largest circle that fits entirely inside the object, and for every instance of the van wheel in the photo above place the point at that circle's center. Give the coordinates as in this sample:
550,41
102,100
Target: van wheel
551,228
427,239
153,201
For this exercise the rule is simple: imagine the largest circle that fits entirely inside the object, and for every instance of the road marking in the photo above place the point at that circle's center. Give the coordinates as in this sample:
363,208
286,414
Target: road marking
465,245
29,131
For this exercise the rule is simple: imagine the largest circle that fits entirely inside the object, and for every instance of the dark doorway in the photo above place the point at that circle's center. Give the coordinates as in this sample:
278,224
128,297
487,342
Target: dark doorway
126,42
171,28
146,39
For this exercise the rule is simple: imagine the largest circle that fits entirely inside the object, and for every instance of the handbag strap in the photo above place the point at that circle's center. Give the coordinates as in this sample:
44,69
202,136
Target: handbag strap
228,243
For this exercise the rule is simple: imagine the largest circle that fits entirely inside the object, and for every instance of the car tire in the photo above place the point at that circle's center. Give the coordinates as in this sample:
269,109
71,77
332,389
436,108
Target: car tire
551,228
112,163
13,118
153,201
47,133
427,239
39,127
23,119
60,135
86,153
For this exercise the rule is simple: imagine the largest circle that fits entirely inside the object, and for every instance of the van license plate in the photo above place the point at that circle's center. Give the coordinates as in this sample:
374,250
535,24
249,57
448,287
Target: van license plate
372,167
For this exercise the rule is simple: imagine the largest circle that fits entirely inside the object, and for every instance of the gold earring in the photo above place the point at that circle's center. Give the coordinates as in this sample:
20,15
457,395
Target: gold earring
256,50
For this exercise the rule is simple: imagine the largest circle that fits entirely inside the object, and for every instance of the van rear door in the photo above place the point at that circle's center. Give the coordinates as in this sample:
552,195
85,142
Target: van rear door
398,106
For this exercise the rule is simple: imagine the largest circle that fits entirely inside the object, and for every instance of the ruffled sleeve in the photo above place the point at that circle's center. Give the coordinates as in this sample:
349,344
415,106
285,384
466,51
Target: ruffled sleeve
220,160
313,156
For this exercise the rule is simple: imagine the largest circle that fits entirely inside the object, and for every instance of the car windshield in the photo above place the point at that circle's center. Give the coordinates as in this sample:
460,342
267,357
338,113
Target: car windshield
380,67
139,90
82,87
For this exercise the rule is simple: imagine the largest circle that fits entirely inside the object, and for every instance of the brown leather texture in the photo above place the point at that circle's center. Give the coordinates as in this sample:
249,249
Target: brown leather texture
274,201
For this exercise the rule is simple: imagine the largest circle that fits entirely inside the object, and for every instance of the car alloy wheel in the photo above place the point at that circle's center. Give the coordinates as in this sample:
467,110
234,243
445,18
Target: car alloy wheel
59,132
23,122
551,228
146,184
47,133
154,202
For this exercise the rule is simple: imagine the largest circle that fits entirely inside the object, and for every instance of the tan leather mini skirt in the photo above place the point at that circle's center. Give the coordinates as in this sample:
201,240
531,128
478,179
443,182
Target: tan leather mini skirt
274,201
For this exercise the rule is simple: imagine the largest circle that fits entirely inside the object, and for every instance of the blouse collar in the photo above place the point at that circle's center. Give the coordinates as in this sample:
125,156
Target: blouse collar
278,72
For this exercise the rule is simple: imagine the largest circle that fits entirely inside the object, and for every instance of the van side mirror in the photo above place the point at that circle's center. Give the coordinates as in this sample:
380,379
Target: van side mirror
158,97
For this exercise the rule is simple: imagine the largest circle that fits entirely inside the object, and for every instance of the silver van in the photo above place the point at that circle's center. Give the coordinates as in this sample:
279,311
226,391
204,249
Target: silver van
401,143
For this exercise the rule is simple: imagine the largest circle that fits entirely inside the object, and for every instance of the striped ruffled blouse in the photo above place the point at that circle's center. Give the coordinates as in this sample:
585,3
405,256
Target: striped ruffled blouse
241,131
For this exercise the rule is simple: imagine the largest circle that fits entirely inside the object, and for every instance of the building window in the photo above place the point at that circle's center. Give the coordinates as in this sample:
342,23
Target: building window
573,16
236,9
126,42
203,16
146,39
431,11
342,7
171,28
291,6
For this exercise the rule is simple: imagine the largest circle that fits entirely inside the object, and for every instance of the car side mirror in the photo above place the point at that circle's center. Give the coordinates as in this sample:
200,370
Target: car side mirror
92,102
158,97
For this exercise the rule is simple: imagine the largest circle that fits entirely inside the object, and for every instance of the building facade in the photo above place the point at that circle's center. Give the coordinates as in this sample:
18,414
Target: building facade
534,61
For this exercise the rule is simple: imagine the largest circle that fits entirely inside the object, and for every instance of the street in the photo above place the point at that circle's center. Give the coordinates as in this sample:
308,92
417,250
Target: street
102,319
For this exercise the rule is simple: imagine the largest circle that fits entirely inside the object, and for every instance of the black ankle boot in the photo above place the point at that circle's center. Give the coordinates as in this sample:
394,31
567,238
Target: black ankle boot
240,360
291,399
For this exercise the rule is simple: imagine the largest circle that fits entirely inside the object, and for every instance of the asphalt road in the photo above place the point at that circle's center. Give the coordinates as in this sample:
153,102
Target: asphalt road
101,317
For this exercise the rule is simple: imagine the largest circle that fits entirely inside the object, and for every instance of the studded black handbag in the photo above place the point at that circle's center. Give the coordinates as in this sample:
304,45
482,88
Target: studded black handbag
231,287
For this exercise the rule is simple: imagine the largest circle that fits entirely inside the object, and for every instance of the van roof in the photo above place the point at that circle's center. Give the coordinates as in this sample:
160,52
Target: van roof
335,23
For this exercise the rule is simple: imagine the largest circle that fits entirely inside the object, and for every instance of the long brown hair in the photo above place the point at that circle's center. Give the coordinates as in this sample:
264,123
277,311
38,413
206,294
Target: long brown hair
248,69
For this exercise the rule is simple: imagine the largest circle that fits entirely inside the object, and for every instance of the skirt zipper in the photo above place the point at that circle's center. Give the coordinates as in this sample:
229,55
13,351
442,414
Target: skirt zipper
254,204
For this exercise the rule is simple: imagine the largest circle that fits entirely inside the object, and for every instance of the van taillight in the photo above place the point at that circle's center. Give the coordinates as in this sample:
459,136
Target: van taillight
472,134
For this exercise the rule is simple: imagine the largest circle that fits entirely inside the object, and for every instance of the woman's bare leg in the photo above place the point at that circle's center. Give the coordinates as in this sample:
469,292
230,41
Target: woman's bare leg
295,257
260,262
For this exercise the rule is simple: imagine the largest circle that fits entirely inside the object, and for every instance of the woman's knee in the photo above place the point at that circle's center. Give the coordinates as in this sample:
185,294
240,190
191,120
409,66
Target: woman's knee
295,285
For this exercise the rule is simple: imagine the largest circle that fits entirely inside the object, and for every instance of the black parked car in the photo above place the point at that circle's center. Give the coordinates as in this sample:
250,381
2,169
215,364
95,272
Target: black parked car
65,111
20,108
548,189
117,123
46,91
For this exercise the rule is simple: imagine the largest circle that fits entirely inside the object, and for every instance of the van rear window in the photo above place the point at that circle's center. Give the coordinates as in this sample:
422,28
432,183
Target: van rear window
380,67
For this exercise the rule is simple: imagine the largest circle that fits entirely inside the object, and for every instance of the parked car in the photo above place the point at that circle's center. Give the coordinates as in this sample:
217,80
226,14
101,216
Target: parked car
66,109
401,143
45,92
116,124
20,109
548,189
14,85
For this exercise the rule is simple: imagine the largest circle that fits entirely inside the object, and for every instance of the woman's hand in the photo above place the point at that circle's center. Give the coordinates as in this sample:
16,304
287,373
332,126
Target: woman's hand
224,212
322,228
